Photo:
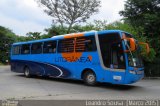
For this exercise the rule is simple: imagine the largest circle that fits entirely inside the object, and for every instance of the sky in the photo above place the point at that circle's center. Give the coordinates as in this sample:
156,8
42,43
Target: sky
23,16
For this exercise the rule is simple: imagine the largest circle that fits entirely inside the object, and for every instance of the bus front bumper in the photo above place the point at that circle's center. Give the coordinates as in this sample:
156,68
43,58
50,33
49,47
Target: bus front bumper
132,78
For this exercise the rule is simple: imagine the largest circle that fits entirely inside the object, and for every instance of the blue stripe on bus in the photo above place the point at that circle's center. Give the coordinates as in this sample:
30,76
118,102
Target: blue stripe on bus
38,68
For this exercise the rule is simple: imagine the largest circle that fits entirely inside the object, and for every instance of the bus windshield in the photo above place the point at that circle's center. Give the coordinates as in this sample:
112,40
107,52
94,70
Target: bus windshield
134,59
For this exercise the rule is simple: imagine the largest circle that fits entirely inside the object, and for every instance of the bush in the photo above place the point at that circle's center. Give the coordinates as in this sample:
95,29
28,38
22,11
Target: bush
152,69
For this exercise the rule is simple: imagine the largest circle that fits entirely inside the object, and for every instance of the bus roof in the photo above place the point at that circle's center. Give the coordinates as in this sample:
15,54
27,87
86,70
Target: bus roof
62,36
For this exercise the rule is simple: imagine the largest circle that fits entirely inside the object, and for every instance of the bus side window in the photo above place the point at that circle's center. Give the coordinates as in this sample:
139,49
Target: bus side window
66,45
36,48
85,44
49,47
89,43
25,49
16,50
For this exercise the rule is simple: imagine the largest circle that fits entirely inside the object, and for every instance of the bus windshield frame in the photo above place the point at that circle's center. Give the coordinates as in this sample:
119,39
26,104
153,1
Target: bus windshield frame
134,58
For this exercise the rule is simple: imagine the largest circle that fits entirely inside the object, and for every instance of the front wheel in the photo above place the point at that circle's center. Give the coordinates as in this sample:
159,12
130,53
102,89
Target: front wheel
89,78
27,72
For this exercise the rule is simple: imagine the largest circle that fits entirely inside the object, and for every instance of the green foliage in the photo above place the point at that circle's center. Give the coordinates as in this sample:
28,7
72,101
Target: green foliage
152,68
7,38
58,30
144,15
34,35
55,30
1,64
122,26
22,39
150,57
95,25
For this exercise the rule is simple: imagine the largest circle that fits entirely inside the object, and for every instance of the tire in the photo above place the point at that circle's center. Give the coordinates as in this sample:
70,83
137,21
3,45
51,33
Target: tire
27,72
89,78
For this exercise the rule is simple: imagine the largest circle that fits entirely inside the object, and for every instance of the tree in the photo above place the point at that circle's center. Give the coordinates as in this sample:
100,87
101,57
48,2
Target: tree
7,38
34,35
55,30
70,12
144,15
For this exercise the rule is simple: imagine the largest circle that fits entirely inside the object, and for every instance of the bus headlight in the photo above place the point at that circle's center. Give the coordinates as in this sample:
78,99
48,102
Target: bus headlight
132,72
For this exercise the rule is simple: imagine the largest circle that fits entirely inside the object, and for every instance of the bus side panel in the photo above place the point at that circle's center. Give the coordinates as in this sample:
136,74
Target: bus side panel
19,66
117,77
16,66
88,60
40,68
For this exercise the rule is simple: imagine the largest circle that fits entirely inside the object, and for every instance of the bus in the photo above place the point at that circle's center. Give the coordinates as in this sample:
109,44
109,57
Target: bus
108,56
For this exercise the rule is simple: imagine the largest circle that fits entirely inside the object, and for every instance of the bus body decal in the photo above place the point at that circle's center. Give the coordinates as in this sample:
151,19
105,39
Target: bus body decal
74,55
39,67
61,72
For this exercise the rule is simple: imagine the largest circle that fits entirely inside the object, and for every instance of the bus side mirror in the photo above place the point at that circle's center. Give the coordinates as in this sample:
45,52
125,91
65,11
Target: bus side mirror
146,46
131,44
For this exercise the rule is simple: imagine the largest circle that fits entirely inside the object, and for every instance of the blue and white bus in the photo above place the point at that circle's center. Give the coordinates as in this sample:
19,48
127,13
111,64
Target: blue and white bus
110,56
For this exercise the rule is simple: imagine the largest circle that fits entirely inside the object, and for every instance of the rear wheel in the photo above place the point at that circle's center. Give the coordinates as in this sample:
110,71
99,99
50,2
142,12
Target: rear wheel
89,78
27,72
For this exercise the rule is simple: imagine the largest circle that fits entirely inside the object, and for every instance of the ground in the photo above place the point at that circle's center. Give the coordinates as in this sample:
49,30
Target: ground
16,86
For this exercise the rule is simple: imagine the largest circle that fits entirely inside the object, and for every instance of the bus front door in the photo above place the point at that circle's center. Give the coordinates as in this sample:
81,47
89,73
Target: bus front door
117,65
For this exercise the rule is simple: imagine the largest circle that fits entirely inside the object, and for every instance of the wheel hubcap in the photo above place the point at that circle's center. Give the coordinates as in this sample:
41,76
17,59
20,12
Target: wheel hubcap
26,72
91,78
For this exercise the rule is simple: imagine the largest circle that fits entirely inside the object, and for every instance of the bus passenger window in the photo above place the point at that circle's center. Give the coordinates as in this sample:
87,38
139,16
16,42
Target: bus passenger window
25,49
85,44
16,50
36,48
66,46
49,47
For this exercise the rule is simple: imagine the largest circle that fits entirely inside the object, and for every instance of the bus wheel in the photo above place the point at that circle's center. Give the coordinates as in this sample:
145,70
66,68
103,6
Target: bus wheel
27,72
89,78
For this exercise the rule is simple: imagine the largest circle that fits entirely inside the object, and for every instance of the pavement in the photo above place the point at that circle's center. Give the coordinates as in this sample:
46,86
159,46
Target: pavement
15,86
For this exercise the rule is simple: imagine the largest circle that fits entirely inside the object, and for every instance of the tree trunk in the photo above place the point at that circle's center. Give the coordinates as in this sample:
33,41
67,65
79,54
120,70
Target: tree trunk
69,28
